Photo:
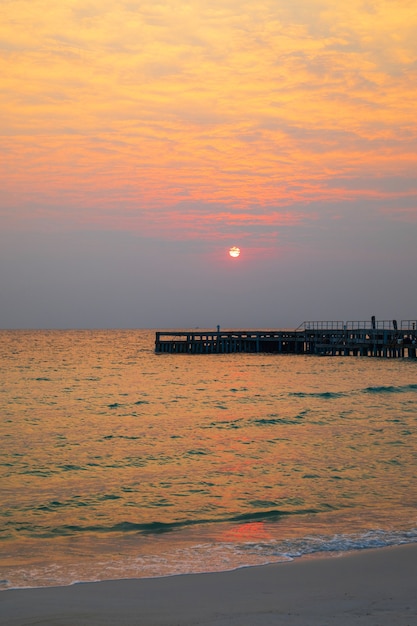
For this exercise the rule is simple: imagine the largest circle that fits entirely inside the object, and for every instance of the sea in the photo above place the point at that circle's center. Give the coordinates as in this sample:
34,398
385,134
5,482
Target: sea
116,462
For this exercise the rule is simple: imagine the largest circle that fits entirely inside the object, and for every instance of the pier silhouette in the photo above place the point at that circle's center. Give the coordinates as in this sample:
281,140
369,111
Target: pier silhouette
373,338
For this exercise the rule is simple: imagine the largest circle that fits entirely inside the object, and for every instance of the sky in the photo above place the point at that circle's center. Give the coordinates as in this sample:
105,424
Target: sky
140,140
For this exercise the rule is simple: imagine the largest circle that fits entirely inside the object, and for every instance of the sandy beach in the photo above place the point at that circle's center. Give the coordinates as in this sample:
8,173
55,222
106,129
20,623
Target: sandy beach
372,587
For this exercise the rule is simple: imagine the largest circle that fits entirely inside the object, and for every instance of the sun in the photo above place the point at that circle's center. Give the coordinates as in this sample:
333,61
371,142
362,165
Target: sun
234,252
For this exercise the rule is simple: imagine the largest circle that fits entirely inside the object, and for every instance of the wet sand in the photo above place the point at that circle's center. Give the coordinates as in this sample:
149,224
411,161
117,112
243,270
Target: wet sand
372,587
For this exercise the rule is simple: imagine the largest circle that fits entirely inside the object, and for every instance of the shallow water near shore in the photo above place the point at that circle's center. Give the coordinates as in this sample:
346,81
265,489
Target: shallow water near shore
117,462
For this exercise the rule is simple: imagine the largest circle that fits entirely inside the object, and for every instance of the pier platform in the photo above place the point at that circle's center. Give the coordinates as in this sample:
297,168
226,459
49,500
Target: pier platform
387,339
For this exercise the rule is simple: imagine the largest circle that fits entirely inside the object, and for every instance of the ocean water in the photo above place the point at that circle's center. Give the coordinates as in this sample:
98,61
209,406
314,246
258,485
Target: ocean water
116,462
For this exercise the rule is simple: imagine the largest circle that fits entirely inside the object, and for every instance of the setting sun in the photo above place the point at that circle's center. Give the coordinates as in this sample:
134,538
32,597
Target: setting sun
234,252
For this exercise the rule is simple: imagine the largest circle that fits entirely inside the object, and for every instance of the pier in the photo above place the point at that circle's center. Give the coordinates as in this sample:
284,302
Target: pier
387,339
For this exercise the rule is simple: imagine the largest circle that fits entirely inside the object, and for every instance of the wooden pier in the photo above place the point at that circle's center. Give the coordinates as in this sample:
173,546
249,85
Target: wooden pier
387,339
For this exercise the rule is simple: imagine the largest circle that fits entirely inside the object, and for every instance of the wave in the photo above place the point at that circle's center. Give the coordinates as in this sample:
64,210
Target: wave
227,424
329,395
268,515
204,557
276,420
149,528
326,395
348,542
271,420
391,389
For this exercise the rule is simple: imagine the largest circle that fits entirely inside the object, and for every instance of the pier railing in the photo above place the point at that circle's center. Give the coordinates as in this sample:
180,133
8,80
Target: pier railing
359,325
321,325
409,325
369,325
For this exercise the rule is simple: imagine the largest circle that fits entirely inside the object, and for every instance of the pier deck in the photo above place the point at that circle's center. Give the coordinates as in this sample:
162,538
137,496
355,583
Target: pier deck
377,338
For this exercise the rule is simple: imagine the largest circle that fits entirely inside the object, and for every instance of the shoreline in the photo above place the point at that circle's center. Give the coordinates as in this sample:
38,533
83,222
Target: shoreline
373,586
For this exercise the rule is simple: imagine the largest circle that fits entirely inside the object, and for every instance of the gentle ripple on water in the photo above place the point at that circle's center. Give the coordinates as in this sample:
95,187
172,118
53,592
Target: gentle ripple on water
119,462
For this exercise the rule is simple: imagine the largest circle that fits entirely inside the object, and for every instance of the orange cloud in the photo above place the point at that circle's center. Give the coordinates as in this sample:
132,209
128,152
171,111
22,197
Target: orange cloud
118,113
